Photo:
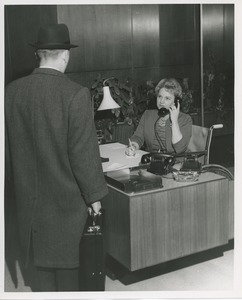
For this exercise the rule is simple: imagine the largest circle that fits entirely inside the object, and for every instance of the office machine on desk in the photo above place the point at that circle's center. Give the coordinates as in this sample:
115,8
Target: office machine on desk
191,162
130,181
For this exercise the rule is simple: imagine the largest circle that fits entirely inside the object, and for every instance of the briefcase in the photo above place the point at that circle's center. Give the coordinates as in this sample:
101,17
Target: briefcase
92,254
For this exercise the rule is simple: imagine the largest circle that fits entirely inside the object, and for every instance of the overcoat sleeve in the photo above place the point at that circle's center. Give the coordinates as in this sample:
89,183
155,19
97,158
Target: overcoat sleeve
83,148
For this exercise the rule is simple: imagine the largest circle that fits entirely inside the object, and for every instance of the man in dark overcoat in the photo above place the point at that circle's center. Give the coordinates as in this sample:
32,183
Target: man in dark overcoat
53,165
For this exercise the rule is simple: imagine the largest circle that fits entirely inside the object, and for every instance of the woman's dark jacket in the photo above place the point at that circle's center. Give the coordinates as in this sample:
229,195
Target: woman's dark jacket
145,132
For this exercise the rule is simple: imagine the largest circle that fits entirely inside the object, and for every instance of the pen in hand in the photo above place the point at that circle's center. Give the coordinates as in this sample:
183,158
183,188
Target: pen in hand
130,145
130,151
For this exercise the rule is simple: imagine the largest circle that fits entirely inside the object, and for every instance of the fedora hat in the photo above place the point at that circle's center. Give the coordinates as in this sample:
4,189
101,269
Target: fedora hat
53,37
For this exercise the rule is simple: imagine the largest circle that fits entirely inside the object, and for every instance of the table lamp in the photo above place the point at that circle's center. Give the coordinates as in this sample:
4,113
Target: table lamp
107,102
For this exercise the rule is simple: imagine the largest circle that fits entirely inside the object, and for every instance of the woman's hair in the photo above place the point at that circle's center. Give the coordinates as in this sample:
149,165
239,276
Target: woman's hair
171,85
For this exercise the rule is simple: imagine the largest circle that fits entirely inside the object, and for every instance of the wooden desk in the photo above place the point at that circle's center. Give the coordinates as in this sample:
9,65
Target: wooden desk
148,228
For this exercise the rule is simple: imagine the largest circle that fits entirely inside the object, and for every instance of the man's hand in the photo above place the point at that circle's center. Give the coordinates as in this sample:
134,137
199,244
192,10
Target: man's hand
96,206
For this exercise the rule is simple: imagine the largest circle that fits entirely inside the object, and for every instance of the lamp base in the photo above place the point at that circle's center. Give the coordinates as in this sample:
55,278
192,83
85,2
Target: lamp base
100,137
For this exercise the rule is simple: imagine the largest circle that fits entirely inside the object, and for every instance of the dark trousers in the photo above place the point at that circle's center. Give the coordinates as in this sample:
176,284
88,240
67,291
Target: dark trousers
52,280
42,279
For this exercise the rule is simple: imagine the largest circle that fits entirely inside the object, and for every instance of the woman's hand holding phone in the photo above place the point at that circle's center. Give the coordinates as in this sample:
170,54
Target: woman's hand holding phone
174,112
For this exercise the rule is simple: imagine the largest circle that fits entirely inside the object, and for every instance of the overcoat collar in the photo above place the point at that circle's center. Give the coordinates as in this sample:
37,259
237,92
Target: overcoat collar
48,71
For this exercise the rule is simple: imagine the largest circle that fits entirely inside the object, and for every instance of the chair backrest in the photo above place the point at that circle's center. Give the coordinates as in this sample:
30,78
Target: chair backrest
201,140
198,141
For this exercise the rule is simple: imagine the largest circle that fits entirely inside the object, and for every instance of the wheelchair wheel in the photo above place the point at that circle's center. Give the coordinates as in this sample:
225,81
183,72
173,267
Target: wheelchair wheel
217,169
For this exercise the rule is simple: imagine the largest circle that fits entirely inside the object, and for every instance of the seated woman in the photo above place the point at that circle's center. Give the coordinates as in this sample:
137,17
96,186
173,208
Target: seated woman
167,130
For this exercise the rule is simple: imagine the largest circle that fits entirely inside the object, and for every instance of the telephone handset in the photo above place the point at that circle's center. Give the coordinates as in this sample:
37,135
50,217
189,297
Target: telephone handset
164,111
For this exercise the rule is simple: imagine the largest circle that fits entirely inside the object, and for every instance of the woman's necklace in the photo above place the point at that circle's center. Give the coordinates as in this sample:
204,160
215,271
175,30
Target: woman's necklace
160,127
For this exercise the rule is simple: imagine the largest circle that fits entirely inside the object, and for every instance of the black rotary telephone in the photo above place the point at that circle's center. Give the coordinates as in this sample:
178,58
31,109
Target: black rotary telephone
158,163
164,111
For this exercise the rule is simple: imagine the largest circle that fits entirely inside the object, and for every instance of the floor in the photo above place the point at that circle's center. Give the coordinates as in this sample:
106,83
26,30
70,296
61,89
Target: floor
215,274
212,275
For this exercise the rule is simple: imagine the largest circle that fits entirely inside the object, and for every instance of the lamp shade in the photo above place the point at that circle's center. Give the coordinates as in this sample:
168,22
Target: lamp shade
107,102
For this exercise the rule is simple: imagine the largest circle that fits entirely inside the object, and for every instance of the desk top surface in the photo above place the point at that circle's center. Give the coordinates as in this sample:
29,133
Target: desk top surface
118,160
170,184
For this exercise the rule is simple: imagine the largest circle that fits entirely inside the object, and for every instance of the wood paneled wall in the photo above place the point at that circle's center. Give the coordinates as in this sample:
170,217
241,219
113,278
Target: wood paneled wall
103,33
139,41
145,36
21,26
148,41
212,20
218,35
179,42
218,42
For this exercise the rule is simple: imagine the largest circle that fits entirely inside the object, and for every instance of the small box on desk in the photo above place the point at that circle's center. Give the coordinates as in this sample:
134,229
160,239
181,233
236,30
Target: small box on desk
133,180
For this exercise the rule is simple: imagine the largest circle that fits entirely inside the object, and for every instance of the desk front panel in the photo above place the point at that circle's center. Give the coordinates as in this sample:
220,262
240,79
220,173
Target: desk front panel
150,228
117,224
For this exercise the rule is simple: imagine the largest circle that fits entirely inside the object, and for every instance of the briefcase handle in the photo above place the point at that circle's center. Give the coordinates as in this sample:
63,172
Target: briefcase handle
95,217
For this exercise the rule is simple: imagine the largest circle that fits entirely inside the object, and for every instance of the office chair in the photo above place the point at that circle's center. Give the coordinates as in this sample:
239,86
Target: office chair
200,142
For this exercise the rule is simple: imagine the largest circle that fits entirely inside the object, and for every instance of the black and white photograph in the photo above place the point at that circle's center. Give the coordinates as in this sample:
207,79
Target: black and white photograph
120,150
